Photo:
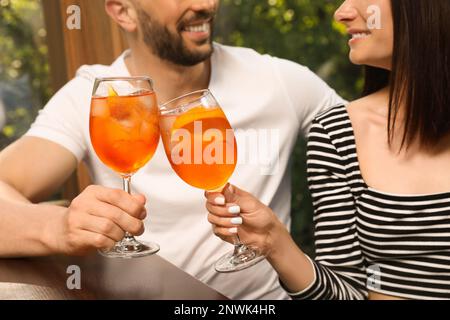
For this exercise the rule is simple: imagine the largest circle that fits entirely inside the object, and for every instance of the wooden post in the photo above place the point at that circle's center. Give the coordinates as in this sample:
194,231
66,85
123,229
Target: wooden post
98,41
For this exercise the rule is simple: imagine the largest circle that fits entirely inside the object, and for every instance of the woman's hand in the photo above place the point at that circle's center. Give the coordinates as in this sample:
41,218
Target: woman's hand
235,211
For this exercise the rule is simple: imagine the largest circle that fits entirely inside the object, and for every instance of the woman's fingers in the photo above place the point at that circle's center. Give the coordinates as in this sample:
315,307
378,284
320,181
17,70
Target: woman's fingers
225,222
226,234
229,210
227,195
215,198
232,197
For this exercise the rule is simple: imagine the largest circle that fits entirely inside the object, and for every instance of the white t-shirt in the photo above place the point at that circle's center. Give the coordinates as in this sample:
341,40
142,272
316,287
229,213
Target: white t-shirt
274,98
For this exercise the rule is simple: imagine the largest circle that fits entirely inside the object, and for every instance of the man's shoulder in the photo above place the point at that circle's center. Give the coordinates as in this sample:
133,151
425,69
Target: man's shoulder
249,58
234,51
116,69
81,84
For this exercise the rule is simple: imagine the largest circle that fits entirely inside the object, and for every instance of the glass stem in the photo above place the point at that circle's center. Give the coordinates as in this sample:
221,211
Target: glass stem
127,188
238,245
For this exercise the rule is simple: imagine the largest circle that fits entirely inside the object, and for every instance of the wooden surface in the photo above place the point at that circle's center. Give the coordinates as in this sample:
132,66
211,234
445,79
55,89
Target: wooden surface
143,278
98,41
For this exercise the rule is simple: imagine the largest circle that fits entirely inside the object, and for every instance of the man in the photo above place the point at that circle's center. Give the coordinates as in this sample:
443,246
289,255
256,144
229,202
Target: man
170,41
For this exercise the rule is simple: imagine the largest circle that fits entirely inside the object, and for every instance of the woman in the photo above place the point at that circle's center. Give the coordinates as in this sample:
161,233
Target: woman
378,169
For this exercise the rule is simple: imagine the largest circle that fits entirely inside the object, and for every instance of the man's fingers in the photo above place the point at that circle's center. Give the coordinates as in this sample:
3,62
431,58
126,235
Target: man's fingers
101,225
140,198
87,240
119,217
133,205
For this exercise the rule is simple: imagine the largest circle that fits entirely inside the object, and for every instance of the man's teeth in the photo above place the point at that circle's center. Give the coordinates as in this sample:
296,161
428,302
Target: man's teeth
359,35
200,28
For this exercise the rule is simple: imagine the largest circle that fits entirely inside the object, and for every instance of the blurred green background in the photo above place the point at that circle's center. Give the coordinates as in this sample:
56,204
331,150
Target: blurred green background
298,30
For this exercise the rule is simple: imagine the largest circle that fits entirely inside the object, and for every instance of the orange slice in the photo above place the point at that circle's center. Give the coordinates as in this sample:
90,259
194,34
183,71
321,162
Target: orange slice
111,91
196,114
117,105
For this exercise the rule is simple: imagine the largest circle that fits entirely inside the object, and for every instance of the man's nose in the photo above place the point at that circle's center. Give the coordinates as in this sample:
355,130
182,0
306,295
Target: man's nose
205,5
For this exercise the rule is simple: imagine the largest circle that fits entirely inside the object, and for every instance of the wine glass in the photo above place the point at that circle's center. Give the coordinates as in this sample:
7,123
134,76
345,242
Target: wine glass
124,131
201,148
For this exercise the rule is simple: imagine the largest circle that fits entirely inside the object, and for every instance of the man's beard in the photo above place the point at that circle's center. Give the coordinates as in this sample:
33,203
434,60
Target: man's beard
169,46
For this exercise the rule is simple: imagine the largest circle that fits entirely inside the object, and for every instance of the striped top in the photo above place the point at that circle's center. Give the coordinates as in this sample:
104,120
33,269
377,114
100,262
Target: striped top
369,240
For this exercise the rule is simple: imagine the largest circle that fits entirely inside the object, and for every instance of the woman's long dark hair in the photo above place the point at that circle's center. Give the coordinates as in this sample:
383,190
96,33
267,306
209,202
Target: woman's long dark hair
420,76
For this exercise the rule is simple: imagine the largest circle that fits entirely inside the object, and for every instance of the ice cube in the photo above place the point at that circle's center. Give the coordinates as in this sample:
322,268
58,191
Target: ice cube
100,108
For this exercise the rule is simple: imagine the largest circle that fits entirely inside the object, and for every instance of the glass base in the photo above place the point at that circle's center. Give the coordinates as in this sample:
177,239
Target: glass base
245,258
130,248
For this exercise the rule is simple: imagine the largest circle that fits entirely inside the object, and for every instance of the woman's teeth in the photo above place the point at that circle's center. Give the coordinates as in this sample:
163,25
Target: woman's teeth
359,35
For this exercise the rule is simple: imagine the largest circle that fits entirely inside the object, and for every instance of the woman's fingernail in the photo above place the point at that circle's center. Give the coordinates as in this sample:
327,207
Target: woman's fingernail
219,201
233,230
143,214
236,221
234,210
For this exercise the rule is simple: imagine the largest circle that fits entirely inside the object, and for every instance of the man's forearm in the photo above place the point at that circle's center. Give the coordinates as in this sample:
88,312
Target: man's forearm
11,194
26,229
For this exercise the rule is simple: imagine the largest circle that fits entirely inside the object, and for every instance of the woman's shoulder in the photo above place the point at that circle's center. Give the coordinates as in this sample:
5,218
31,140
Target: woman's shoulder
330,113
331,129
360,113
366,113
330,141
330,121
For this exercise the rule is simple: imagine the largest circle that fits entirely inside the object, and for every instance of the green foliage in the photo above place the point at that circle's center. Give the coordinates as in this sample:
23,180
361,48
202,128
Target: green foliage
299,30
23,65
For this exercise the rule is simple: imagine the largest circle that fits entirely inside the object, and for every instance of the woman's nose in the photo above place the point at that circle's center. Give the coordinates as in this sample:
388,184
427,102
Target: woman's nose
346,12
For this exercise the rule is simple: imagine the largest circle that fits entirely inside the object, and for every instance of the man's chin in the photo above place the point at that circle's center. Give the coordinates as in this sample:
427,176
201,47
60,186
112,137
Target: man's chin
201,50
198,45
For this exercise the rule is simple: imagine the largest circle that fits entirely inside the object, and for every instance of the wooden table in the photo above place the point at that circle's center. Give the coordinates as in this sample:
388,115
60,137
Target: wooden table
149,277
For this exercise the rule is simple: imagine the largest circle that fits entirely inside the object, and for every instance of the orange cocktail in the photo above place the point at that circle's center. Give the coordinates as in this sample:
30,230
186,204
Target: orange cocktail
124,130
200,146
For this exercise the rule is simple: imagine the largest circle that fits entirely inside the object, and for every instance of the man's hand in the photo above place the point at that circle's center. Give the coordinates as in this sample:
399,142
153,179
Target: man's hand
97,219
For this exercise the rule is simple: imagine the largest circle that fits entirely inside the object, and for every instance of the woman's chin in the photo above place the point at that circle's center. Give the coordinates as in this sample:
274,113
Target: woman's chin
360,60
356,58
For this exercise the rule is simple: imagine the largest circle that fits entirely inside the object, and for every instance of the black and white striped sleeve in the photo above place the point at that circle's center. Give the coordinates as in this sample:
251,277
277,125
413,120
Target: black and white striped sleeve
339,264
